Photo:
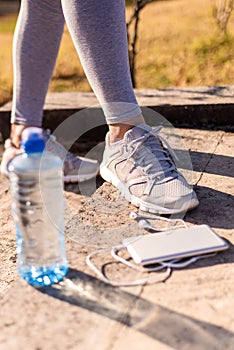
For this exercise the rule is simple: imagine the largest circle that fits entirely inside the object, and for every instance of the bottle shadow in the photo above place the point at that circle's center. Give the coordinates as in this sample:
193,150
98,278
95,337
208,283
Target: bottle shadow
158,322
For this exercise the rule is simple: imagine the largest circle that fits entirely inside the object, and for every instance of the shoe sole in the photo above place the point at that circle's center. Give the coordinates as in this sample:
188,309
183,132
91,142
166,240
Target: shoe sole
79,178
108,176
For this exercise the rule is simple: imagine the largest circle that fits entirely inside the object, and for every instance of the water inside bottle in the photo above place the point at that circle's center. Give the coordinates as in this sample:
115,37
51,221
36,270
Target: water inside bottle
38,211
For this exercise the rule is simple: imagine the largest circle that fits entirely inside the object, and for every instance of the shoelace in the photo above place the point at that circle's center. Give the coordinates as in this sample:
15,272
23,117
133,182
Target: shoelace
158,173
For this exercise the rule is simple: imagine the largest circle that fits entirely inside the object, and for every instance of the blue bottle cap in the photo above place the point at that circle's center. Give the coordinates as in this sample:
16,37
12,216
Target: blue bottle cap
32,140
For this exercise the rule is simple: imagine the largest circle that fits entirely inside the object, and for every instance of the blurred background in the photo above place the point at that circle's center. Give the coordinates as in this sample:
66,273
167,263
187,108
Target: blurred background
178,43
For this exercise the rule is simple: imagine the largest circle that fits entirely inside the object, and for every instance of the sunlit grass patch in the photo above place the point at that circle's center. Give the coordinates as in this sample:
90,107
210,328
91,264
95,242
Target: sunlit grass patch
179,45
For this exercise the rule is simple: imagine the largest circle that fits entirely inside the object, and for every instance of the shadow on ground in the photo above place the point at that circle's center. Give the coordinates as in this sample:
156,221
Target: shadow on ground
216,208
160,323
220,165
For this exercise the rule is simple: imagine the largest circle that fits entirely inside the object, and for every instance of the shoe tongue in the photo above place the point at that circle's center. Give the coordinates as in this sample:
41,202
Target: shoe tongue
136,131
155,148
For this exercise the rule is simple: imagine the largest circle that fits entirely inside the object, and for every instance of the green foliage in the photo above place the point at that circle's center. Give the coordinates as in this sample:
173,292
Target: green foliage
218,48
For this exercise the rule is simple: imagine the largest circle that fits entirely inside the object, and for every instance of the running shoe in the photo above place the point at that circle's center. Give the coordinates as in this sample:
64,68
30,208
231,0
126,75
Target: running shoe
142,167
75,169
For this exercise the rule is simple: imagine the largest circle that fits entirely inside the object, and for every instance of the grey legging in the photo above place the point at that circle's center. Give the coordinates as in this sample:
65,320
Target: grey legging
98,31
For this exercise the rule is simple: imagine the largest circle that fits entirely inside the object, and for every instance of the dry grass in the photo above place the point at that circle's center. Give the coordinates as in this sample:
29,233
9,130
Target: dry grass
6,34
178,46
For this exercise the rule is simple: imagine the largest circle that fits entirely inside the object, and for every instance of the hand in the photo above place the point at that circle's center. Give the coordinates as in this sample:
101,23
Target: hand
10,152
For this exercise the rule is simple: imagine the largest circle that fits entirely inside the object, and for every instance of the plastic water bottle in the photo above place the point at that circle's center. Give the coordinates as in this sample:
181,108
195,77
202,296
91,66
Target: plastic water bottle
38,210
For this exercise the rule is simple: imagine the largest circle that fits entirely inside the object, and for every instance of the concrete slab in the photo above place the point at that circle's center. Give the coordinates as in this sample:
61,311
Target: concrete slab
198,107
192,310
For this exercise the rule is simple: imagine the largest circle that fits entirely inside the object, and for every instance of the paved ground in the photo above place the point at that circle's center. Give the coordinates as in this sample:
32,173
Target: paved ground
192,310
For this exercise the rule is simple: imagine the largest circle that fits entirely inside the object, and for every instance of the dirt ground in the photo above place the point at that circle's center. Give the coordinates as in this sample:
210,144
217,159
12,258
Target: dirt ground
192,310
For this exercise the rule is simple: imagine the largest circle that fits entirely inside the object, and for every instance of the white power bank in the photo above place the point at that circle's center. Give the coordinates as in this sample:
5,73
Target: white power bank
174,244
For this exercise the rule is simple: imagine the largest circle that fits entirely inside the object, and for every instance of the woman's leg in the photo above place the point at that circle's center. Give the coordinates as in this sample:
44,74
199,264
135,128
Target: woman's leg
35,47
98,29
36,43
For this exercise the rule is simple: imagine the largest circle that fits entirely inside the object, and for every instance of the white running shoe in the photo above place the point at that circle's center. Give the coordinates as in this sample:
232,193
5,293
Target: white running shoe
144,171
